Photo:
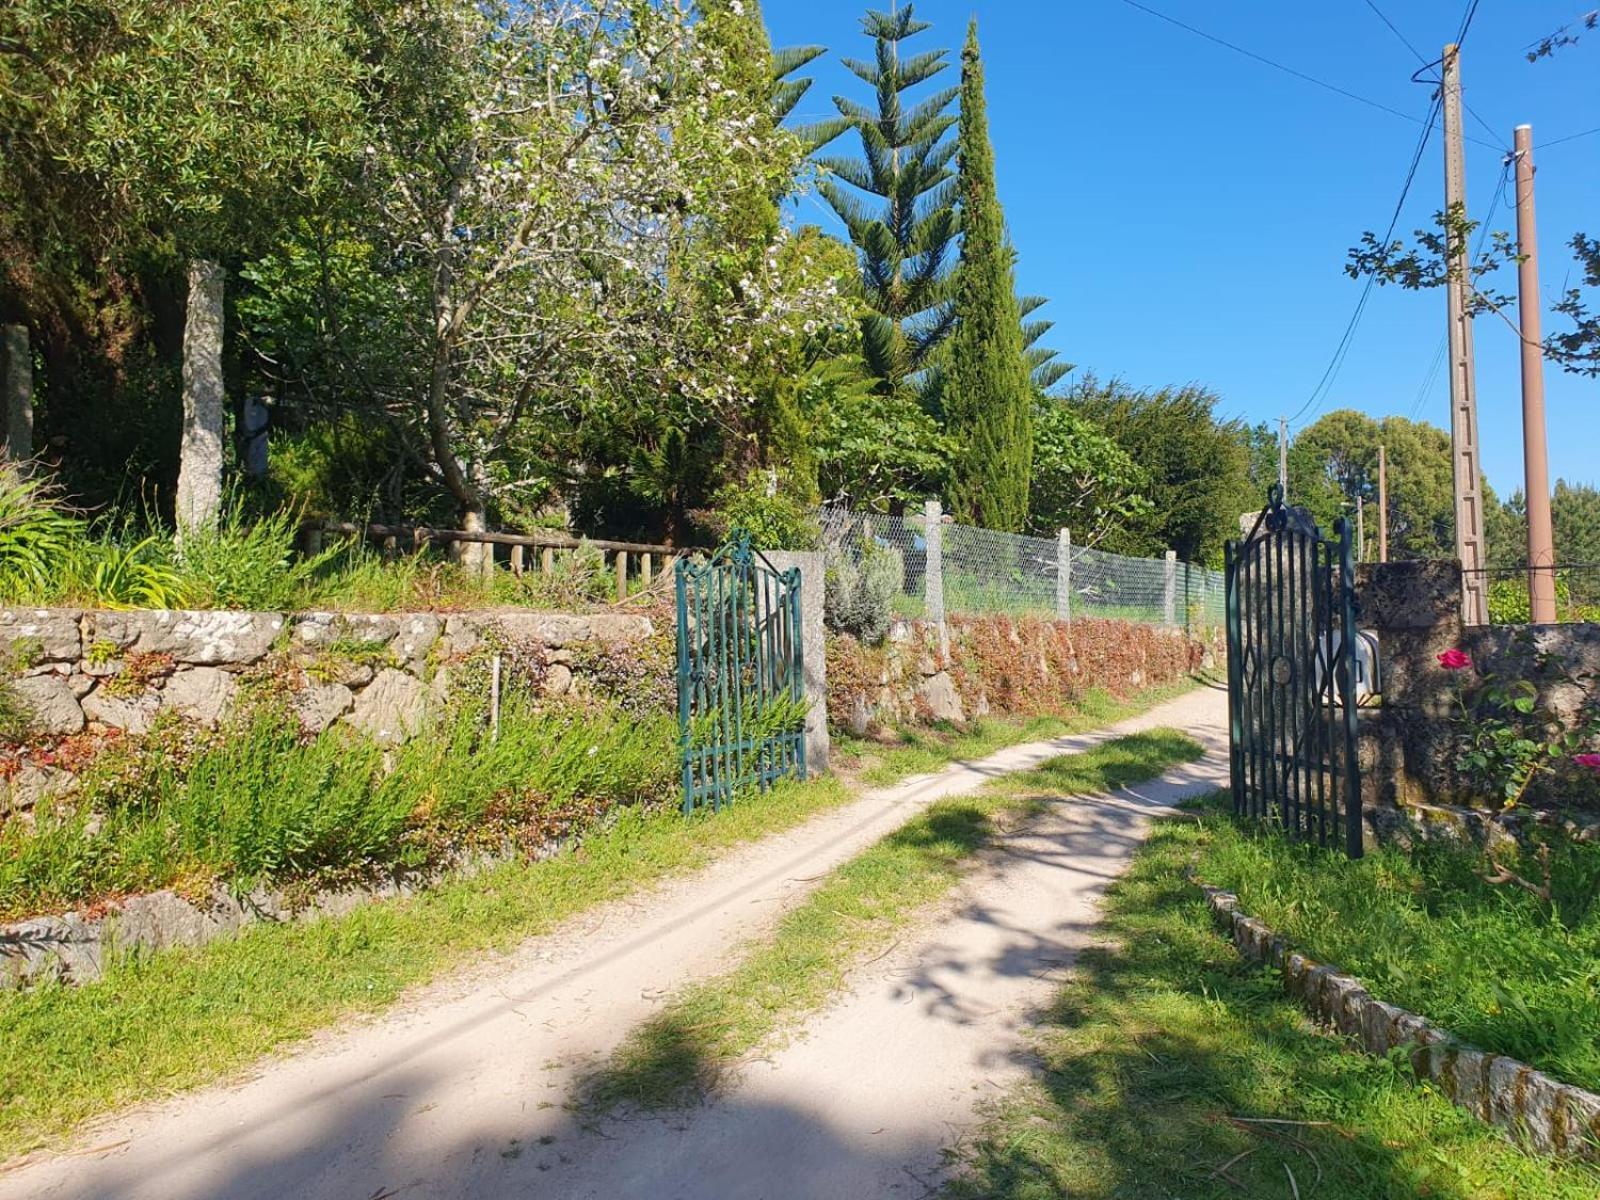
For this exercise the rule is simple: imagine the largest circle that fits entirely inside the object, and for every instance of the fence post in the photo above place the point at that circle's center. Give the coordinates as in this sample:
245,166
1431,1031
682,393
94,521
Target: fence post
1064,576
16,360
1169,588
622,574
933,576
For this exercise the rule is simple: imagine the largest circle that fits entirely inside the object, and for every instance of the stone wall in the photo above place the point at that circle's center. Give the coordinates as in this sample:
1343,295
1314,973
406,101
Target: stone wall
107,672
1542,1113
1407,742
1002,665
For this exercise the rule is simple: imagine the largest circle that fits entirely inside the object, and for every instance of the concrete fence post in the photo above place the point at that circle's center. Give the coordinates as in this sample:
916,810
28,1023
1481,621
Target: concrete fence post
16,360
1169,588
1064,576
933,576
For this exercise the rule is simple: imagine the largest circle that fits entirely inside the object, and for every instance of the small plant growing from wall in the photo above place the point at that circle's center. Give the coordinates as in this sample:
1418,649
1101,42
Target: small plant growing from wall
861,589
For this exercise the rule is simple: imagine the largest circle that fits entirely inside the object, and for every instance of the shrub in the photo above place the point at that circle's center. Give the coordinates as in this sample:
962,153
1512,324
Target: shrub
762,507
861,589
249,562
37,537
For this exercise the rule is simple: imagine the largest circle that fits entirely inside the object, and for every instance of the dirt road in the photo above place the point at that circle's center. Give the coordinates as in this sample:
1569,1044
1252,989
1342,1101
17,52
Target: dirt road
459,1091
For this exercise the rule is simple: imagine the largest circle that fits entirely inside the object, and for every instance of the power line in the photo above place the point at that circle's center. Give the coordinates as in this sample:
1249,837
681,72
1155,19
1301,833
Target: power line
1426,63
1287,70
1571,137
1325,384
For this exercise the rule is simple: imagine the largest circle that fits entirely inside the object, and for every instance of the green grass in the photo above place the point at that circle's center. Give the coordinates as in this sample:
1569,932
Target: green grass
1170,1068
1493,964
254,803
188,1016
921,750
684,1051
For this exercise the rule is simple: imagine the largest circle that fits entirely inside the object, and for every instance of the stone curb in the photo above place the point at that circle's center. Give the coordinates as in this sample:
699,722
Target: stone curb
1543,1114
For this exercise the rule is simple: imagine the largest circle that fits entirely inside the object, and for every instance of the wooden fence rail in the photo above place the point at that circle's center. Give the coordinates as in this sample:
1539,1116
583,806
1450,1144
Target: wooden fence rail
646,559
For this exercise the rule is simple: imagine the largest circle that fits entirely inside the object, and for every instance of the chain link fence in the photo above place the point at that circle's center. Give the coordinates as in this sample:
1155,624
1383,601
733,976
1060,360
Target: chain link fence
963,570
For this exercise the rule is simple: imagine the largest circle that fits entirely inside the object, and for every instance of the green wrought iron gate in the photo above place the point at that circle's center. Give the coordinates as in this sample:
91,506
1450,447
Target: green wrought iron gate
741,674
1292,673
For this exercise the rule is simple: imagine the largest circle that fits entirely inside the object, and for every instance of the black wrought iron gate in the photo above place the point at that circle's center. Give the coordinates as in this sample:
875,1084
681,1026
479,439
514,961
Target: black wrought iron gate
1292,674
741,674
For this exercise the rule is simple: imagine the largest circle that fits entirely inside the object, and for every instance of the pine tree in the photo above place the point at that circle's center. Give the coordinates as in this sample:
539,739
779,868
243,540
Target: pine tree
988,389
905,247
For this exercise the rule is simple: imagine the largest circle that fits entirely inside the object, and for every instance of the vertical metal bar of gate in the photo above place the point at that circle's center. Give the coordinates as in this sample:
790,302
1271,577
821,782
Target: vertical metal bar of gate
1347,689
1230,619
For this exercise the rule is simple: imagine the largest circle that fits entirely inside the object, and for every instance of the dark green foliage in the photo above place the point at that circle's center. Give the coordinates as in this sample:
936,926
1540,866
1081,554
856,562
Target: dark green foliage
988,389
1083,480
1198,466
905,163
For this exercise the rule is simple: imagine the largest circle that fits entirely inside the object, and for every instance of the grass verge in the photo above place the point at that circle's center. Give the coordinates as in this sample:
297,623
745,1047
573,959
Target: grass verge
1172,1068
687,1048
919,750
173,1020
1496,965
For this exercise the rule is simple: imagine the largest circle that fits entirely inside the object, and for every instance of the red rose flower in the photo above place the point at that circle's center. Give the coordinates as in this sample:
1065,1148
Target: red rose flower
1455,660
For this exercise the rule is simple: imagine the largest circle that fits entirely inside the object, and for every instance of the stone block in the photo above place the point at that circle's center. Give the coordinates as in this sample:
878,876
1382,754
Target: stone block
54,633
939,693
202,638
50,702
1415,594
33,783
203,694
394,708
417,635
1378,1026
131,714
319,705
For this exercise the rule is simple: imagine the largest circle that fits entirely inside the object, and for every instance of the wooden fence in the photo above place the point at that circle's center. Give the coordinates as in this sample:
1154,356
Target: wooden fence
636,560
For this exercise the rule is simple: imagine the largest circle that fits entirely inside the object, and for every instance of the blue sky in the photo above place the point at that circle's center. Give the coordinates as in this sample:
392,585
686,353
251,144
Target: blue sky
1188,210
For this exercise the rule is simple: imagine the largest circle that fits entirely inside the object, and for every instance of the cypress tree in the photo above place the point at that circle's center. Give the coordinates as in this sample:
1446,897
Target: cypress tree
904,248
988,389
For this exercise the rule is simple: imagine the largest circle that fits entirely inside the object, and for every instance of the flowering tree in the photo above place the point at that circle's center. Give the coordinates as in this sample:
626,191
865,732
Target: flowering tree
555,211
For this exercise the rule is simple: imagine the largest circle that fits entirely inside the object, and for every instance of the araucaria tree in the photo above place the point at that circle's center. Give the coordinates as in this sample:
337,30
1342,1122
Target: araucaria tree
988,390
905,246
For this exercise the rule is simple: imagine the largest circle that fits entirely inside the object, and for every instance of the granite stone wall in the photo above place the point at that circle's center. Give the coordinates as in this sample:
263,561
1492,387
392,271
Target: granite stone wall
74,671
1407,742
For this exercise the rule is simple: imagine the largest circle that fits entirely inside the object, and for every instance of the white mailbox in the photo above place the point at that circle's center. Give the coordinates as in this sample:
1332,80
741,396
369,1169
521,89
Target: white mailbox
1368,663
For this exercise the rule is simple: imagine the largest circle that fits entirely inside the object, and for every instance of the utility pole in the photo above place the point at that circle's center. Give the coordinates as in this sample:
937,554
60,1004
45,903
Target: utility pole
1383,504
1535,462
1283,457
1464,461
1361,529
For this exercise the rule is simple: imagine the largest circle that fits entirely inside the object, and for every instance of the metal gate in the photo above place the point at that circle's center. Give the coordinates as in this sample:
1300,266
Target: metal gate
741,675
1292,641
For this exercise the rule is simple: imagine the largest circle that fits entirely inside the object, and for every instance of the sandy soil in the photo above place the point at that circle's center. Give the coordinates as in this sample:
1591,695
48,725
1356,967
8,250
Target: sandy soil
458,1092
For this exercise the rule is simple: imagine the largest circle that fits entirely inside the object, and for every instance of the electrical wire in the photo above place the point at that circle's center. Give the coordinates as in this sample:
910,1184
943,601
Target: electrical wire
1571,137
1426,65
1320,393
1278,66
1325,384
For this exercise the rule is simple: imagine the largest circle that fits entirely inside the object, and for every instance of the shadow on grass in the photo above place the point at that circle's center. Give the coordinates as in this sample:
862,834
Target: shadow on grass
1171,1068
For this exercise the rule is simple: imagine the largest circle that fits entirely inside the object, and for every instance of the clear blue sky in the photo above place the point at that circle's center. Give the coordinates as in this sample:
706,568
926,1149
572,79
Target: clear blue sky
1188,210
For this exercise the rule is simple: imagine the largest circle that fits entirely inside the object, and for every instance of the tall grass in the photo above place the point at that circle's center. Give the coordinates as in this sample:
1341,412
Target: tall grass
257,803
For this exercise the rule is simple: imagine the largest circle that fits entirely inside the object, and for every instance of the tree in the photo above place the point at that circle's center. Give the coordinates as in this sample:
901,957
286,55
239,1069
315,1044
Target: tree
1197,465
180,134
988,393
1043,364
550,216
1083,480
1334,461
905,162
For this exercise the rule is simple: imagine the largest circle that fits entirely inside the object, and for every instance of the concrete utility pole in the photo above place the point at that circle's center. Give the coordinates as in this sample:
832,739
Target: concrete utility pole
1283,457
1535,461
1464,459
1383,504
